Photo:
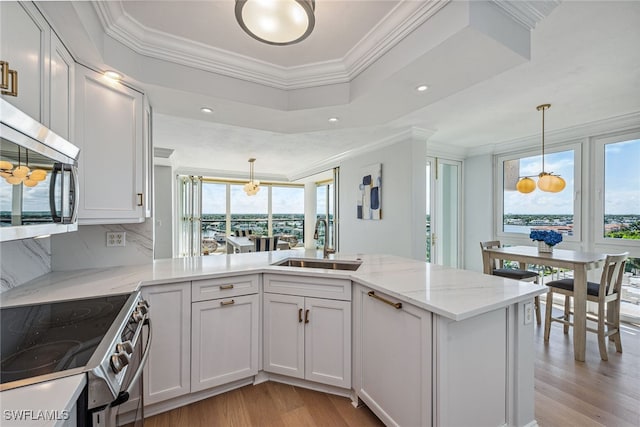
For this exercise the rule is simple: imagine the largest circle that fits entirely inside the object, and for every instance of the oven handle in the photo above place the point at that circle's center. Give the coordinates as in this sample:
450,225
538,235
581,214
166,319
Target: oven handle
123,396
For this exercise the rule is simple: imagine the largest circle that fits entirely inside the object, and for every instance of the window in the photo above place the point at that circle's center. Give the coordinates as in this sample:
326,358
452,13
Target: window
287,214
618,194
210,210
557,211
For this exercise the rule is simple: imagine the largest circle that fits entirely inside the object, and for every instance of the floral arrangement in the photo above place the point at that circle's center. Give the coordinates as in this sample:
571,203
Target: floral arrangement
550,237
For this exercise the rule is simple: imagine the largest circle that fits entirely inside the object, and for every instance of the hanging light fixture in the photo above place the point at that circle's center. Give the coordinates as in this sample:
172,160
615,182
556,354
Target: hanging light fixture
252,187
21,174
547,181
276,22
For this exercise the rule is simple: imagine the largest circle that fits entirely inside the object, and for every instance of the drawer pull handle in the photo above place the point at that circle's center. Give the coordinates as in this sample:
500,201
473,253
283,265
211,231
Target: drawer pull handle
299,315
230,302
13,76
226,287
140,199
306,316
396,305
4,79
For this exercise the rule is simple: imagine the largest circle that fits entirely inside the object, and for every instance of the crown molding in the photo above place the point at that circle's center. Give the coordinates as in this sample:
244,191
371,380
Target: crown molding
397,24
527,13
163,153
407,134
598,128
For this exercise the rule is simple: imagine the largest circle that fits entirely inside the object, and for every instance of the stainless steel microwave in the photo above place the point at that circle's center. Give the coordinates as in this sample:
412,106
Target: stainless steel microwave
38,178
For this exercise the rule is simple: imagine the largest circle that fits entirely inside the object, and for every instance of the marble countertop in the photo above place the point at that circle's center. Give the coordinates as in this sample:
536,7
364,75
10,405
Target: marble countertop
452,293
47,404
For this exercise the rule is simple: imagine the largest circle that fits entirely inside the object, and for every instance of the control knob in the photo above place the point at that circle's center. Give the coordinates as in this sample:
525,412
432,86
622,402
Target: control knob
119,361
126,347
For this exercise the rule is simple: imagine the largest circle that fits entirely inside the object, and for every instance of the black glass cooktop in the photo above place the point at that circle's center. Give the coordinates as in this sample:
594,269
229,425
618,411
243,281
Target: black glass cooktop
45,338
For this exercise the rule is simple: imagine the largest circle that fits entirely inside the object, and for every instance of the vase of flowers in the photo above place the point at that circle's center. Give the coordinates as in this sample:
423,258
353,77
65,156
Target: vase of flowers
546,239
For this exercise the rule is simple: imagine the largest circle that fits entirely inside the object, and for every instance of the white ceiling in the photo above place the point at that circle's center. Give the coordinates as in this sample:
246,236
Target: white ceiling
361,63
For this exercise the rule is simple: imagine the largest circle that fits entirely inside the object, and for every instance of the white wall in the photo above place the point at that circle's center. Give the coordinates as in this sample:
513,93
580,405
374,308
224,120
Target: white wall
401,231
478,208
163,181
87,247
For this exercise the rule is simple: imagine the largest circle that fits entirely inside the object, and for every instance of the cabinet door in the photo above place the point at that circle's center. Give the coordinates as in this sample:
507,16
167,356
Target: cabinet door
167,372
62,81
109,118
24,44
328,342
224,341
393,360
284,334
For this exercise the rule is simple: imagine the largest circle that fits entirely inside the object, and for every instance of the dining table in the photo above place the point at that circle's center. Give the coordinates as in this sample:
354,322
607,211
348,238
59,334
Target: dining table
242,244
578,261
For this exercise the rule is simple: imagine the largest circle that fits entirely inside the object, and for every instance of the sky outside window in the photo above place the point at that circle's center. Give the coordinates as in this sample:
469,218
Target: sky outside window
622,178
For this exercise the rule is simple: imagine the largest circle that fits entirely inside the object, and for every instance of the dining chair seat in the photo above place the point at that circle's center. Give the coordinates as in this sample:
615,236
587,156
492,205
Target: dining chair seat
515,273
593,288
496,268
606,294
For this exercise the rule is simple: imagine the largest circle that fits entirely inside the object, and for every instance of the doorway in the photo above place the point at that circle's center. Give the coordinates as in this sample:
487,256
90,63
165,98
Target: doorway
443,219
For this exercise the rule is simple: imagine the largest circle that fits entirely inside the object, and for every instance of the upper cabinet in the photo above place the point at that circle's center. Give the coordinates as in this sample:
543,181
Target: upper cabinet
114,163
37,70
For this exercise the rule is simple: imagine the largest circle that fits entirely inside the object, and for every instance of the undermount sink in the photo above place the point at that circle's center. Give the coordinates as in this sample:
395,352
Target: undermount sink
329,264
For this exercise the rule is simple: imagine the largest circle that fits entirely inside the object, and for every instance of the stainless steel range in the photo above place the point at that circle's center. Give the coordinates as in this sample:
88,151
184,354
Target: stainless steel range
100,336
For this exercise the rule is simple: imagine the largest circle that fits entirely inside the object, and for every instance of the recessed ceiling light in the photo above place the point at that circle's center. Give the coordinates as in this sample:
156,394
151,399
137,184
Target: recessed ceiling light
422,88
333,119
113,75
206,110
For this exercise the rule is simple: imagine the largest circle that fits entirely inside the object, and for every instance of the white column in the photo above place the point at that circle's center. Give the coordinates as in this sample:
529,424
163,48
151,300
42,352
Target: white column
309,214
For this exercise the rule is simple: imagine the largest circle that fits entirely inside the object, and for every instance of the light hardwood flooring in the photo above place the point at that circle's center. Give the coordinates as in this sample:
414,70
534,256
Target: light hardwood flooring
567,393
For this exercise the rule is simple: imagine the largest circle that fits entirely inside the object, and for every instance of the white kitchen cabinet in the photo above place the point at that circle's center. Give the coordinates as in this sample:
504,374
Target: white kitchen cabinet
44,67
224,340
61,84
393,359
25,47
110,134
307,337
167,373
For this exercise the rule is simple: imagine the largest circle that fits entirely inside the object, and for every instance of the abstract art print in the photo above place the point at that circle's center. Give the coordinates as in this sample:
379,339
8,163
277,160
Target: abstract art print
369,198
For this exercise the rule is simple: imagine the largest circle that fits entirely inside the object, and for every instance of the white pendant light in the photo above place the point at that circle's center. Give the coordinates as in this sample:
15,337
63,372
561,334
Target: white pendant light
276,22
253,186
547,181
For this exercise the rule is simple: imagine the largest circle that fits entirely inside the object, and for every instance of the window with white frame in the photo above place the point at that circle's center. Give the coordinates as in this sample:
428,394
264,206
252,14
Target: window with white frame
519,213
617,201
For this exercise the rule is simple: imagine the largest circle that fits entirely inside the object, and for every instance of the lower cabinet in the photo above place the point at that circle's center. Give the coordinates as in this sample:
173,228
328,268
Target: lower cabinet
308,338
224,336
393,365
166,373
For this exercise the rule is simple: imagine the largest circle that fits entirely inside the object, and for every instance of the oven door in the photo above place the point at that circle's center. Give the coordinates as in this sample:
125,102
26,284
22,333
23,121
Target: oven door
128,407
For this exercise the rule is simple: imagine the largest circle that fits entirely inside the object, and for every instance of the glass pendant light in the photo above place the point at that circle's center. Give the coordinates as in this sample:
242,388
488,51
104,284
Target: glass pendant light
253,186
547,181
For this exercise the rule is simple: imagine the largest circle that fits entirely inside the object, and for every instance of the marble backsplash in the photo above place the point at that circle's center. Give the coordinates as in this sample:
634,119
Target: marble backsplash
87,247
23,260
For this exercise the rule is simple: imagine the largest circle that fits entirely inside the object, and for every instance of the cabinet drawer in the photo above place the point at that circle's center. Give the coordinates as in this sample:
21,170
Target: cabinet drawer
307,286
224,287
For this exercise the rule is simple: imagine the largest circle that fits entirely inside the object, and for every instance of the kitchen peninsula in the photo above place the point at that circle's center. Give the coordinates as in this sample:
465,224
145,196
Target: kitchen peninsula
420,344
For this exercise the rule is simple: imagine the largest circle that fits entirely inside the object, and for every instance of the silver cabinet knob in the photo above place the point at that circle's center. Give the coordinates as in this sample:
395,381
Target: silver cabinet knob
126,347
119,361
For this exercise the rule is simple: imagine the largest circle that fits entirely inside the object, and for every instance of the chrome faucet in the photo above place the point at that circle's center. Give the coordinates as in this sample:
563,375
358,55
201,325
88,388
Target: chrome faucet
326,250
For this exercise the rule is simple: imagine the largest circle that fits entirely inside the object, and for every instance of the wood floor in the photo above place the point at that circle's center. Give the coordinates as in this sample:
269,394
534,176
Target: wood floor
567,393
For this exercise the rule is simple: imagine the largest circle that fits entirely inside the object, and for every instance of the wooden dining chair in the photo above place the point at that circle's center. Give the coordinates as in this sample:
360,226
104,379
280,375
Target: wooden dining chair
606,294
496,268
264,243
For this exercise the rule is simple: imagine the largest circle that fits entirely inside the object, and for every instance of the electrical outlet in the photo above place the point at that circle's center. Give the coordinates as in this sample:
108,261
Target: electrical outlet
116,238
528,313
